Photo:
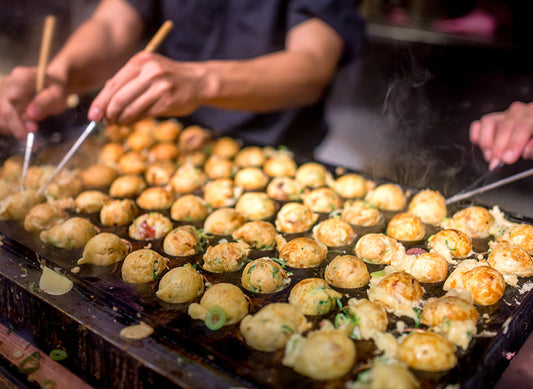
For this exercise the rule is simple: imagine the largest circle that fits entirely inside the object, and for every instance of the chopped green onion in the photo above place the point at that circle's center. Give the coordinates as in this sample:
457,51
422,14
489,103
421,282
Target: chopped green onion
58,355
31,363
9,328
286,329
340,320
418,319
380,273
215,318
48,384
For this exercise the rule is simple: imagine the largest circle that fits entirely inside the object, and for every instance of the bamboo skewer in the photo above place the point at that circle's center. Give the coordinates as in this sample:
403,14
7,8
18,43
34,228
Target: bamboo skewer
154,43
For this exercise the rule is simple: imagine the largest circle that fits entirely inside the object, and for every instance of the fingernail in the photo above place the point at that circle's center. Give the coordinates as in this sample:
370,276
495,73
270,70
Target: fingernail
493,164
508,156
488,155
528,153
95,114
30,126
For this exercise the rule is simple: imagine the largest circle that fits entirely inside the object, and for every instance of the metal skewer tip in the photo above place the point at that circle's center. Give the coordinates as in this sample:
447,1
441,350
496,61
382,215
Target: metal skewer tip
27,156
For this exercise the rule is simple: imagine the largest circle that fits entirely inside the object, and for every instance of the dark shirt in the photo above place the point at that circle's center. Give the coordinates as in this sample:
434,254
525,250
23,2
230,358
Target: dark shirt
242,29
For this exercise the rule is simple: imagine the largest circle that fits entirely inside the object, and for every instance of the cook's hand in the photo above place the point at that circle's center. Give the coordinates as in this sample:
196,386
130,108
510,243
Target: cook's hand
149,85
505,136
20,109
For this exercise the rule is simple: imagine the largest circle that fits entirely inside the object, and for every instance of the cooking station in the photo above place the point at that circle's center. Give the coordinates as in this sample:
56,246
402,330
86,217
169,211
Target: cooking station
439,89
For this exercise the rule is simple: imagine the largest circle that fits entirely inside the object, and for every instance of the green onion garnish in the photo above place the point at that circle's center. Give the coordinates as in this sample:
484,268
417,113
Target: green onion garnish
58,355
31,363
215,318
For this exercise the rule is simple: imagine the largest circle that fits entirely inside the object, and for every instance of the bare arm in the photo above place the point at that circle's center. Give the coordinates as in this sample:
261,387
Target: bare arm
151,85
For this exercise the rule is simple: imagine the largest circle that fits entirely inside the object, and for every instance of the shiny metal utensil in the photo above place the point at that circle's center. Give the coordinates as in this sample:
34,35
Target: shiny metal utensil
27,155
481,179
495,184
68,155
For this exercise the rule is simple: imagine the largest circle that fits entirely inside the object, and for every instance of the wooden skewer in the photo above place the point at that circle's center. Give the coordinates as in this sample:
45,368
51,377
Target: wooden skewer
154,43
46,43
159,36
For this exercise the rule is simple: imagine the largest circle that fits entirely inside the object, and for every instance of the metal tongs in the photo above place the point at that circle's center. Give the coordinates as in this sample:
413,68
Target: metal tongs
464,194
154,43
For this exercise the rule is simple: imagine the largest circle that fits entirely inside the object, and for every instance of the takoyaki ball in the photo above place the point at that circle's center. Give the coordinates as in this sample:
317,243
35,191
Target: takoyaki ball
429,268
406,227
284,189
193,138
104,249
371,317
127,185
303,253
250,156
474,221
258,234
313,296
12,167
15,206
111,152
251,178
347,271
334,232
163,151
226,297
455,279
280,165
256,206
118,212
195,158
189,208
264,275
429,206
398,292
223,221
361,213
159,173
142,266
225,147
36,176
272,326
98,176
220,193
323,355
312,175
7,188
139,140
150,226
486,284
225,257
67,183
377,248
520,235
294,218
167,130
453,308
187,179
180,285
511,260
182,241
132,162
350,186
146,125
427,351
73,233
155,198
451,242
387,197
322,200
90,201
43,216
390,374
219,167
117,133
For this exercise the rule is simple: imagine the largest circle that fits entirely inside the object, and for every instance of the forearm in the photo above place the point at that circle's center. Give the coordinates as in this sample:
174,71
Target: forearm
295,76
97,48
